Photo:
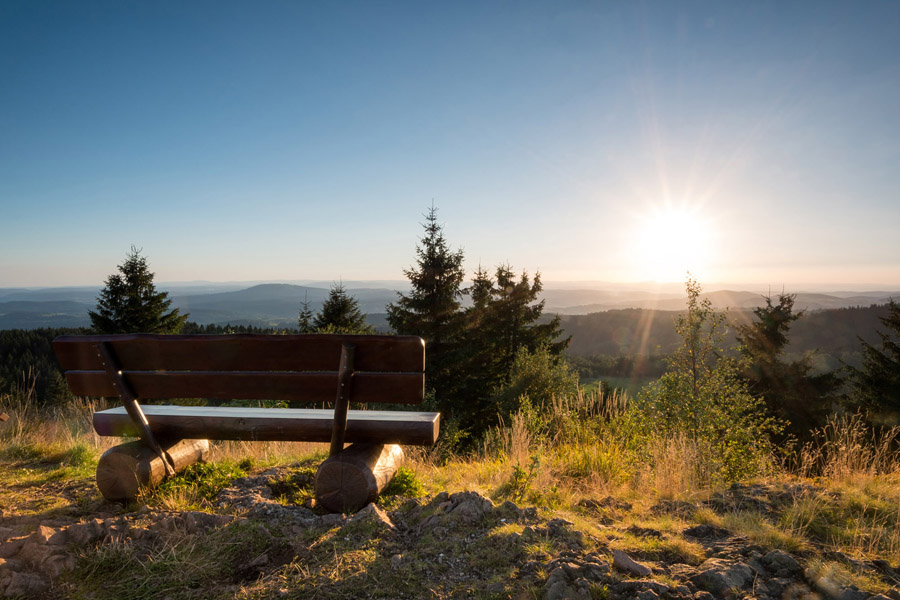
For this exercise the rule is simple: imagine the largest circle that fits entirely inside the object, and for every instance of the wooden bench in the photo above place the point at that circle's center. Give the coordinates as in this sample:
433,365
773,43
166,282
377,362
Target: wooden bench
336,369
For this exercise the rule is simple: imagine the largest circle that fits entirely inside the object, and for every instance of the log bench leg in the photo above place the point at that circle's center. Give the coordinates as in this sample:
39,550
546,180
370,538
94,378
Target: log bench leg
124,469
356,475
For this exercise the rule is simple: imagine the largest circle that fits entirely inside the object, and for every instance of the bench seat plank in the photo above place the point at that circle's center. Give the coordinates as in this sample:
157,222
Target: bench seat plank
400,388
273,424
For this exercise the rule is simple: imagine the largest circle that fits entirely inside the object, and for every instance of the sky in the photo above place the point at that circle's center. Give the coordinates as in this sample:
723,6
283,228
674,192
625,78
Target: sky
754,142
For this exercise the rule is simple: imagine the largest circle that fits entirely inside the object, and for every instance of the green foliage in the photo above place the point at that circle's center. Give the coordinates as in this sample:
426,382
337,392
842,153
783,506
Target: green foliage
206,479
305,319
404,483
876,384
130,303
538,374
28,365
703,397
340,314
791,392
431,309
503,321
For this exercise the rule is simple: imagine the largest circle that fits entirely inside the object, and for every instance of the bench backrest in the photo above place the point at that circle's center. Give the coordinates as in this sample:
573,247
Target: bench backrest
294,368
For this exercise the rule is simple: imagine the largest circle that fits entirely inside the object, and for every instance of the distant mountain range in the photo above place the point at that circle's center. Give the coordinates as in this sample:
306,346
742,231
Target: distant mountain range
278,304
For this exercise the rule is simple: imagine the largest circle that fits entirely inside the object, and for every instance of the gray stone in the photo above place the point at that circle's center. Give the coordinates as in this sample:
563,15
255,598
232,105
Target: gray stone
718,576
470,506
373,515
626,564
26,585
331,519
82,534
630,588
34,553
396,561
852,593
11,547
781,563
57,564
558,590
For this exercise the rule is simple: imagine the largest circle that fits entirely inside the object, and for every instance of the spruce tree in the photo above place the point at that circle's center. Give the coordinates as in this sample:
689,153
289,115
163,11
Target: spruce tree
304,321
431,309
876,384
791,392
341,314
503,321
129,303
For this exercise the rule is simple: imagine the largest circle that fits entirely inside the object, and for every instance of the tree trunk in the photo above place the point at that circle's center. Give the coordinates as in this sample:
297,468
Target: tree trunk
355,476
124,469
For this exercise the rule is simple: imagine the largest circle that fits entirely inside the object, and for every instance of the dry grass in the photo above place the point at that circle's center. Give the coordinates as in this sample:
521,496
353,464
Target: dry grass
849,478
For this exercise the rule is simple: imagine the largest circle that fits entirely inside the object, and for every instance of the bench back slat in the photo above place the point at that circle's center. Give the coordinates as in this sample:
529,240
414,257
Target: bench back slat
401,388
243,352
300,368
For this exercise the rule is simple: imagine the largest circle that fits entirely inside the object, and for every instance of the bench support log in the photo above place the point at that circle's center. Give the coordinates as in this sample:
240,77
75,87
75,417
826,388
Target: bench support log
124,469
355,476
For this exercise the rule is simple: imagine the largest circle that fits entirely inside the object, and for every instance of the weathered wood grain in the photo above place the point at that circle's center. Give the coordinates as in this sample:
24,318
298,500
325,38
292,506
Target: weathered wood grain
124,469
274,424
355,476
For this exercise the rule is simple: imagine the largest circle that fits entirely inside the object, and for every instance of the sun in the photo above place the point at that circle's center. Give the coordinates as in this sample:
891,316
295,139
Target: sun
669,242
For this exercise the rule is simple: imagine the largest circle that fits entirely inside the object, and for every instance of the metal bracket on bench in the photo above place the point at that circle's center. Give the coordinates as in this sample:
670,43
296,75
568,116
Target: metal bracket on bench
129,400
342,403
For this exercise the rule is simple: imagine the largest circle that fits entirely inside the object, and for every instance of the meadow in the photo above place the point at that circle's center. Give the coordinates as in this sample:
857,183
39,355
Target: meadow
832,505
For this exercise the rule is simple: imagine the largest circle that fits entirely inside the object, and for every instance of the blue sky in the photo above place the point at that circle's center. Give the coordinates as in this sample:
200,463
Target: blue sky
622,141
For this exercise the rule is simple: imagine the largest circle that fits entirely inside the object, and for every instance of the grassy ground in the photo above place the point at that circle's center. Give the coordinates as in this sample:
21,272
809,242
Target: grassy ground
837,508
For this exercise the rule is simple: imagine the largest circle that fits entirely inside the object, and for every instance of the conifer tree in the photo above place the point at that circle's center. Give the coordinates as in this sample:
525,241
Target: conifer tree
791,392
129,303
304,321
503,322
877,382
341,314
431,309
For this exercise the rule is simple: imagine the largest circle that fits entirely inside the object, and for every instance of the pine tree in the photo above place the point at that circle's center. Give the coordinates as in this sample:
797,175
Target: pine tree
304,321
432,307
340,314
129,303
876,383
791,392
503,322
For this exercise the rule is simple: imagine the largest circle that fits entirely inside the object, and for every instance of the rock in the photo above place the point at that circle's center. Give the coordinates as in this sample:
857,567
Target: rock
632,588
332,519
11,547
893,593
470,506
42,535
718,576
201,522
625,564
706,531
373,515
82,534
853,593
396,561
26,585
34,554
781,563
6,533
57,564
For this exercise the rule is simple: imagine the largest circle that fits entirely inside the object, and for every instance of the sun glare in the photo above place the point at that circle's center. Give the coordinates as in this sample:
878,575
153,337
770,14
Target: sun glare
670,242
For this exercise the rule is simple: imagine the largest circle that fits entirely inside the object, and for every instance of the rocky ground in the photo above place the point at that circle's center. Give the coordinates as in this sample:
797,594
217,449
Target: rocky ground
251,543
